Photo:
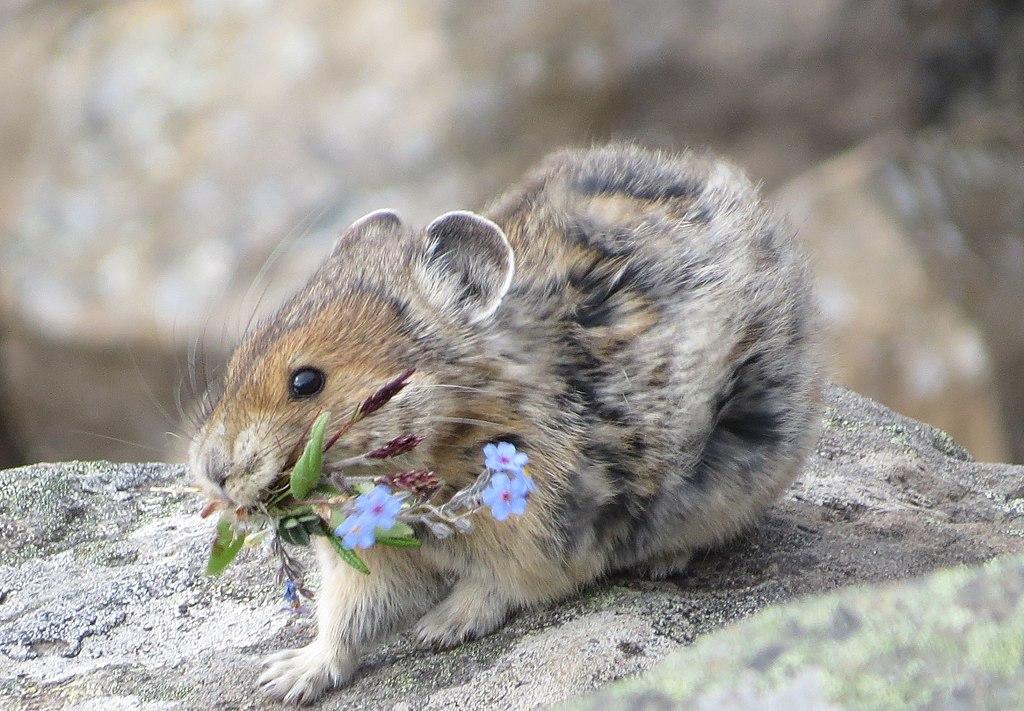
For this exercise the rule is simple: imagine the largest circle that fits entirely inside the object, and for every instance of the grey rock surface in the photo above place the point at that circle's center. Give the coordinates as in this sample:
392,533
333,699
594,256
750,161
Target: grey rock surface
952,640
918,246
104,604
157,152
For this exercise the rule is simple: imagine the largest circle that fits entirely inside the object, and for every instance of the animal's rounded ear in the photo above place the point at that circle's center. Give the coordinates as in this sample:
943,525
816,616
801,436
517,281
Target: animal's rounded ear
372,227
467,264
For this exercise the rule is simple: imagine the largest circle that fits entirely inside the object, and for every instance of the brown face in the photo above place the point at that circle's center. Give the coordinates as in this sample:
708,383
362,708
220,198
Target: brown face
278,383
368,314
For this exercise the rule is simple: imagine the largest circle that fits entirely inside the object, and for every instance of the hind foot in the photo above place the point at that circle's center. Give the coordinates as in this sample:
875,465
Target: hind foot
664,566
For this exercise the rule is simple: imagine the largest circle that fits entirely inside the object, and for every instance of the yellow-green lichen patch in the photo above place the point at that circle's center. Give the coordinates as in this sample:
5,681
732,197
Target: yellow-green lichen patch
906,646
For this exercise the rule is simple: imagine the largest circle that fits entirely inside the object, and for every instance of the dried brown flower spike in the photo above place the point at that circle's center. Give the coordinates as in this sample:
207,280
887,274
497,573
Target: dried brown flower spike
419,482
387,391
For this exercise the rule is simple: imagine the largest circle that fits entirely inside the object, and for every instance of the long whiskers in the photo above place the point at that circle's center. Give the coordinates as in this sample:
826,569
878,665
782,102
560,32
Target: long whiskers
430,386
300,230
199,374
464,421
117,439
164,412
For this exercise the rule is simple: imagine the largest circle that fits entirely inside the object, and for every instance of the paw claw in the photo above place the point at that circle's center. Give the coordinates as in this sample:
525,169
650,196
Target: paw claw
437,631
301,676
664,567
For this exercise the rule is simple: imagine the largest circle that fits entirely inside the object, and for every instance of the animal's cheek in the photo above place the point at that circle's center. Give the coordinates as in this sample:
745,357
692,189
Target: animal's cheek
246,483
249,443
242,490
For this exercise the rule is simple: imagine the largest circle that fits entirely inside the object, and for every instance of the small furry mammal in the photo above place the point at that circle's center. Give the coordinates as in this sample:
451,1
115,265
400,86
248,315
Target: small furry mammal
638,323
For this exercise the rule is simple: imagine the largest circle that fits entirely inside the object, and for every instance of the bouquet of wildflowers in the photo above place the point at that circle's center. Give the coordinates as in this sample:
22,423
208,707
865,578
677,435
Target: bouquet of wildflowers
356,512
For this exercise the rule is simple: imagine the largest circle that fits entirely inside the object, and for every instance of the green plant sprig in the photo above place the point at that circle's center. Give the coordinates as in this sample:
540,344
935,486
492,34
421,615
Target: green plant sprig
293,515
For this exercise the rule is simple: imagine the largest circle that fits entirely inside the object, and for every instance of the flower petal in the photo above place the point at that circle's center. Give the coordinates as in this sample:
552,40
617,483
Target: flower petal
521,485
366,538
346,526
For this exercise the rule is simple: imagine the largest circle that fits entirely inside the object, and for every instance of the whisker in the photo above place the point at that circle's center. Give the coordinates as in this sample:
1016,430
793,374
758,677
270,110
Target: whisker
149,391
197,356
464,420
300,230
185,416
117,439
426,386
204,373
190,363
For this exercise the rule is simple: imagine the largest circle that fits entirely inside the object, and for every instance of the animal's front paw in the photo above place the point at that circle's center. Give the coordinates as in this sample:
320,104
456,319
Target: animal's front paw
460,618
437,632
301,676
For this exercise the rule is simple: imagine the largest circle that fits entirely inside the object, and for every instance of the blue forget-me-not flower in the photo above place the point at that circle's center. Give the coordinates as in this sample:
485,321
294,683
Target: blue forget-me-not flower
377,508
503,457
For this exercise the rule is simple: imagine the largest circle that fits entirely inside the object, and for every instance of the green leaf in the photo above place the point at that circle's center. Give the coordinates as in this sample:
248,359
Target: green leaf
226,545
291,530
399,542
337,517
311,521
399,530
349,556
289,511
398,536
325,489
306,472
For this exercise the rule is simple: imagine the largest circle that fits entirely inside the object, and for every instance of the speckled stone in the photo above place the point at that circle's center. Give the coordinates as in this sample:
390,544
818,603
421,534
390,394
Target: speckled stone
954,640
104,604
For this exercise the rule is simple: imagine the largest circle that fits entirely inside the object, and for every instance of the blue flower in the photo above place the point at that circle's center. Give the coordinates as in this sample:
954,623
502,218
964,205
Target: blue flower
503,457
291,595
376,509
355,532
506,495
379,506
293,600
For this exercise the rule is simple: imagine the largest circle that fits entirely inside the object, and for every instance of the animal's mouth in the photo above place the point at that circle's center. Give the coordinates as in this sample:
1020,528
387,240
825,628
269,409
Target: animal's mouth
214,505
236,494
245,508
277,483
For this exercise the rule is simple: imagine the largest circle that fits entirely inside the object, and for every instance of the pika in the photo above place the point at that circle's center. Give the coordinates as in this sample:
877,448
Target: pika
640,324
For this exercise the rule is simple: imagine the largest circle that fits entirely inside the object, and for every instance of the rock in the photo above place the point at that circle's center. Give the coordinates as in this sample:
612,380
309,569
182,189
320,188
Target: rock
894,333
954,640
103,602
957,194
157,152
918,244
9,453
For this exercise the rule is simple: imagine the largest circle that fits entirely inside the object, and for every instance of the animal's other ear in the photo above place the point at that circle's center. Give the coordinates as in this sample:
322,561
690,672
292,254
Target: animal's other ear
467,265
374,227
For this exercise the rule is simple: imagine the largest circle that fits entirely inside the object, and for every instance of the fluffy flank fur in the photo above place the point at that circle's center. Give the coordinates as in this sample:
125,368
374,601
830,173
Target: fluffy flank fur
640,324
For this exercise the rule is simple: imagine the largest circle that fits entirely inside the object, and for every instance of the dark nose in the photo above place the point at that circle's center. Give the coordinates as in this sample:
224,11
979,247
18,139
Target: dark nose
219,477
217,468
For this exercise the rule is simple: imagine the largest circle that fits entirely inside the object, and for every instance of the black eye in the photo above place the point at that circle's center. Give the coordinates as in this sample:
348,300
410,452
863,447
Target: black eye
306,382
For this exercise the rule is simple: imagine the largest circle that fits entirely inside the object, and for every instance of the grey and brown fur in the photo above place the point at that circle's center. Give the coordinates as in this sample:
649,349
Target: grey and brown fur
639,323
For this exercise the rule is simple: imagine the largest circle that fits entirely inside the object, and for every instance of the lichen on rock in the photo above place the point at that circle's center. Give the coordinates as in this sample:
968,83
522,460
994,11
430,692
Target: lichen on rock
952,639
103,599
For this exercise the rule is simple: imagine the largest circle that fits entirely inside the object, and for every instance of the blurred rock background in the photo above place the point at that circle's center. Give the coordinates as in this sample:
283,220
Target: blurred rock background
157,154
